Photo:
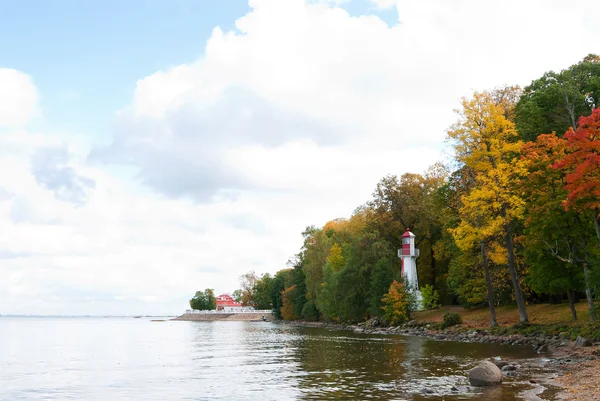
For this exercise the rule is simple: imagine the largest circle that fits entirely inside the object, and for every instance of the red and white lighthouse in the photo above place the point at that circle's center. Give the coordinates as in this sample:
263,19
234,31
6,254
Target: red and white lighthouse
409,255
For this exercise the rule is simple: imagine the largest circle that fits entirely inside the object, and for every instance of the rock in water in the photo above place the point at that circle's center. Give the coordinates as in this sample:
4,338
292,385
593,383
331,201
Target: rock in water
485,374
543,348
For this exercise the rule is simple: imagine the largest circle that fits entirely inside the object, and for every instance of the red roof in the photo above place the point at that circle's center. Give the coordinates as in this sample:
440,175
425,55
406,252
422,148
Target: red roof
226,300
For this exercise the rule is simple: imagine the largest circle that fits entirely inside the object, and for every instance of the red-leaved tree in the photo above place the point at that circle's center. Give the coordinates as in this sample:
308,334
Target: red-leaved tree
582,166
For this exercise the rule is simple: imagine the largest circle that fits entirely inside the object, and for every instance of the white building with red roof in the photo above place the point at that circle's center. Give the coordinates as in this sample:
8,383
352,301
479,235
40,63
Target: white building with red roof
226,303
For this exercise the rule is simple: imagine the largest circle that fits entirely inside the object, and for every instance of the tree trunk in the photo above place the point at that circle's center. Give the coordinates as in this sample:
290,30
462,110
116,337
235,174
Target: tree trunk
490,288
597,223
571,295
433,272
513,275
588,291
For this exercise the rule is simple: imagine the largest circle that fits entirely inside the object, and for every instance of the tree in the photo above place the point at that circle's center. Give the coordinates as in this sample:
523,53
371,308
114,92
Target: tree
211,300
553,102
281,281
248,283
287,308
237,295
485,141
204,300
582,165
408,201
553,236
397,304
383,276
262,292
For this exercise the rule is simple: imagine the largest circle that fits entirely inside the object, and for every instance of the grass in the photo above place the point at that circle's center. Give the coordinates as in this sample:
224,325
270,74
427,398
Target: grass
544,319
539,314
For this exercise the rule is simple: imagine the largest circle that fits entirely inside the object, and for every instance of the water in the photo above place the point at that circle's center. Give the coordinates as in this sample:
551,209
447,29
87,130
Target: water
138,359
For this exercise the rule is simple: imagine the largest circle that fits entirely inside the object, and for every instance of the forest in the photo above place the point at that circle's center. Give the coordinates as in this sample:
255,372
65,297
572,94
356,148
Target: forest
512,218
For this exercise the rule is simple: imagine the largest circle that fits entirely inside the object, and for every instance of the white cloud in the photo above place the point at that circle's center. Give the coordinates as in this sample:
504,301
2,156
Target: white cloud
384,3
18,98
288,121
299,70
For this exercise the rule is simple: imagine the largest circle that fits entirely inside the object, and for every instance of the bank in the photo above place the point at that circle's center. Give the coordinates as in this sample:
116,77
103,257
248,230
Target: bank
570,349
211,316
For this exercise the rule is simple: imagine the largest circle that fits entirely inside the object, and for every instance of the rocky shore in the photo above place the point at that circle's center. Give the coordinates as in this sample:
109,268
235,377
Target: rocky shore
541,343
575,365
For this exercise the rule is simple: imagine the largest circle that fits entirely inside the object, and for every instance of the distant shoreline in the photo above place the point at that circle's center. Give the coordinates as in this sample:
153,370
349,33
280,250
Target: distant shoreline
236,317
89,316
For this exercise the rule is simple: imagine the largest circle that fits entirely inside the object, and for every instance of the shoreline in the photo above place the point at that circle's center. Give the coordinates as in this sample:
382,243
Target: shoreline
218,317
574,369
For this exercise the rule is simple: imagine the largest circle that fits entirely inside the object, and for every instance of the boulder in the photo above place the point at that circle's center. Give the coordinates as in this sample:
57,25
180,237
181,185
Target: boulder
583,342
485,374
542,348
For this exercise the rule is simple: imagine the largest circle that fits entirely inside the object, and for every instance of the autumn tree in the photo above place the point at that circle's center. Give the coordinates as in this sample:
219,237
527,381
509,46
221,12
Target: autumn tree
581,165
408,201
287,307
248,286
485,141
398,304
553,237
283,279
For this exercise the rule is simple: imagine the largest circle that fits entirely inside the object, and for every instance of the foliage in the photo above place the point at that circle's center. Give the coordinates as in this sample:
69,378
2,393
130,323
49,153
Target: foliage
486,143
431,298
397,304
204,300
383,276
287,307
553,102
237,295
553,236
582,164
450,319
248,286
491,226
309,311
281,281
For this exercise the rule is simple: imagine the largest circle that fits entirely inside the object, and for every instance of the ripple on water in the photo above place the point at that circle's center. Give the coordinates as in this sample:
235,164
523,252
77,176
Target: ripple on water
119,359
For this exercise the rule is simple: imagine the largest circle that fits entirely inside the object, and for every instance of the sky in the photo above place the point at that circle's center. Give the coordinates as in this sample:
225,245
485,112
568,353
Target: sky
150,149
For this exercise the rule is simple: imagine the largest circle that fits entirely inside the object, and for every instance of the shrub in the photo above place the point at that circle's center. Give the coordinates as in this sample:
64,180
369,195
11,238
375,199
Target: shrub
396,304
431,298
451,319
309,311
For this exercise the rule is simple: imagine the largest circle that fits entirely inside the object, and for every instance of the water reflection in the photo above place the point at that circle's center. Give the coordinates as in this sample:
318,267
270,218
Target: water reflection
120,359
349,366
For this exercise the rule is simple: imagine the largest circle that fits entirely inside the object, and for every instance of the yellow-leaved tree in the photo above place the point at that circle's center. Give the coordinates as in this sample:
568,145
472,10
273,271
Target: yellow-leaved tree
486,142
287,307
396,304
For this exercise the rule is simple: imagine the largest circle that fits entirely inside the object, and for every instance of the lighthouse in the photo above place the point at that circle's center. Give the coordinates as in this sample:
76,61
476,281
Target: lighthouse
409,255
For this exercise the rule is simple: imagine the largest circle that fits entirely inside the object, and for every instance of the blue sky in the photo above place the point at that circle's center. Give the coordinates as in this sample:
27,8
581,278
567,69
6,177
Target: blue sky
86,56
137,168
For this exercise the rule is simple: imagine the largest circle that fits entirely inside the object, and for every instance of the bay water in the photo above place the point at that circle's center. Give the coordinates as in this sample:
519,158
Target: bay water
94,358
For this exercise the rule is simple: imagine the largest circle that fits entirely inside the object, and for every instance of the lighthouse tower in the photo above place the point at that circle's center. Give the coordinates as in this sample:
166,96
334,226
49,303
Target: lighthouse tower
409,255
